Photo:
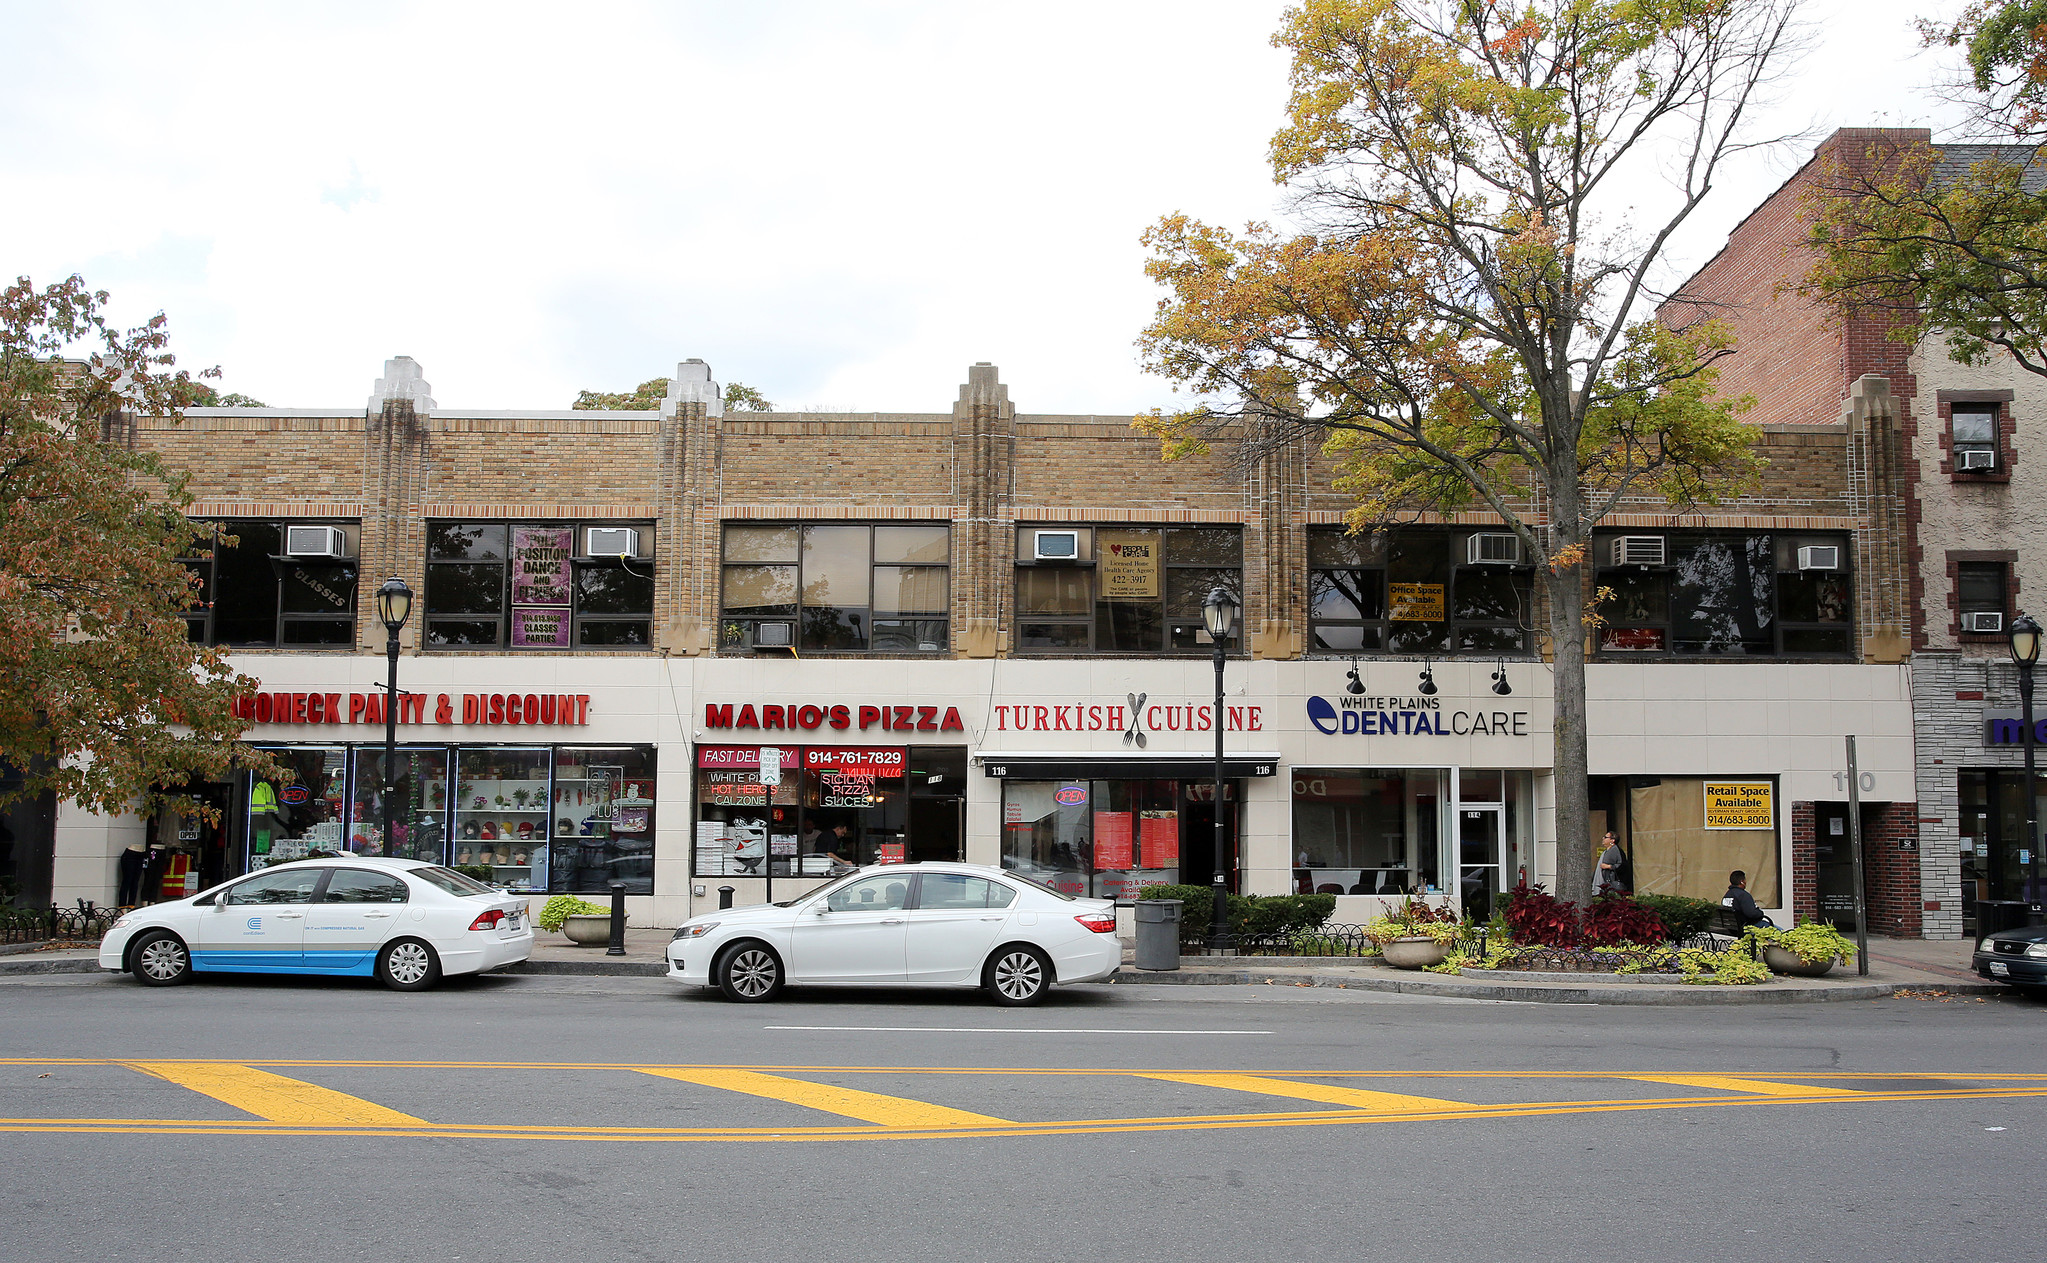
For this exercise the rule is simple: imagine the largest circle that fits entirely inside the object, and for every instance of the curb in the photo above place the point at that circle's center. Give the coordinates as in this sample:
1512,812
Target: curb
61,965
598,968
1539,994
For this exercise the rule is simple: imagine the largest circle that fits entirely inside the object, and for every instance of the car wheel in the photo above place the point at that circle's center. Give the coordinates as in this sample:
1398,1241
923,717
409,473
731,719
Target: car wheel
161,960
408,965
1018,974
749,973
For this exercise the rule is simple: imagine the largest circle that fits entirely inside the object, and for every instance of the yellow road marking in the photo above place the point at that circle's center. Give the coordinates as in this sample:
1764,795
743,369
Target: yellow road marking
1356,1098
868,1107
1755,1087
272,1097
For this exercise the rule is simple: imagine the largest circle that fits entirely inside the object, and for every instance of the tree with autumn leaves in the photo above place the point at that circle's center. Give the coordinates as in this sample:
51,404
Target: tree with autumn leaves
103,698
1465,321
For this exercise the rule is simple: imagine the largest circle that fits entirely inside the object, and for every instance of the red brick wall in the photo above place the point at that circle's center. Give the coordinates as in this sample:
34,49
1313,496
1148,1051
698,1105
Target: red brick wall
1805,864
1890,872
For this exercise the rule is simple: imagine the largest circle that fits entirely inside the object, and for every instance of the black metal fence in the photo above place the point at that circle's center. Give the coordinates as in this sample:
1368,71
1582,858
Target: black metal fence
86,923
1328,940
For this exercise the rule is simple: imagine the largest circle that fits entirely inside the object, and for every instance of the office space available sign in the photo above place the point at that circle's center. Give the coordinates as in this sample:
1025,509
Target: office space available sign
1741,805
1414,602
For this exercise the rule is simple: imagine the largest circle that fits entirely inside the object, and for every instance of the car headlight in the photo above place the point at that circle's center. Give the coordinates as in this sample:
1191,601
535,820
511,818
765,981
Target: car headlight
2038,951
122,921
695,931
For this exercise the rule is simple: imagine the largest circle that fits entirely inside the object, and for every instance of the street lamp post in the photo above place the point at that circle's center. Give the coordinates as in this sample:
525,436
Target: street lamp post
394,606
1219,615
2025,651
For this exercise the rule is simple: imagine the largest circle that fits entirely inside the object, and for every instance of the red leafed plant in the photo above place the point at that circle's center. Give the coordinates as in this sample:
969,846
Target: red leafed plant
1615,918
1540,919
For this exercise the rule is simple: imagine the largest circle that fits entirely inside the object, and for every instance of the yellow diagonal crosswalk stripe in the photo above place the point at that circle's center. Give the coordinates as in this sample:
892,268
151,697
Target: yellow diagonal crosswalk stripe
869,1107
1354,1098
1728,1083
273,1097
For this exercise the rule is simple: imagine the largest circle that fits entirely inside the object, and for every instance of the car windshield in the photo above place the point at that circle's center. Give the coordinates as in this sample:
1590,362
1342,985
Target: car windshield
821,891
451,881
1013,875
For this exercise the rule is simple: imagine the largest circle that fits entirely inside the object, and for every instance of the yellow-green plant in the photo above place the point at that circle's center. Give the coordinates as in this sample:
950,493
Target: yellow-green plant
1731,968
1811,941
561,908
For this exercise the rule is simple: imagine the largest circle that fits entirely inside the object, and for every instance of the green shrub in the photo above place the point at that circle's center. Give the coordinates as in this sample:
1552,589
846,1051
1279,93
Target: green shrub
1811,941
481,872
1681,917
1259,916
561,908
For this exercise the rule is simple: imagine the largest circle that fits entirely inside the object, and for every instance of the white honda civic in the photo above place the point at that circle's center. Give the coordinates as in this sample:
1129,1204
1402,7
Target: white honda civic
405,922
905,925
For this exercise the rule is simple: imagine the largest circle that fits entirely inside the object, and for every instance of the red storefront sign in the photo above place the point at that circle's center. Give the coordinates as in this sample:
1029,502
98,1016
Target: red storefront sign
872,762
810,717
443,709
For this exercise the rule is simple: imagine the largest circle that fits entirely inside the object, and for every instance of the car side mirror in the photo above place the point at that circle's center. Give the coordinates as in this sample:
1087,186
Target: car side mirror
823,908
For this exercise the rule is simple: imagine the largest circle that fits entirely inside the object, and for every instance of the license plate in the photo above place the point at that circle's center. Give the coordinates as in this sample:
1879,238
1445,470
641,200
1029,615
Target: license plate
512,921
2001,969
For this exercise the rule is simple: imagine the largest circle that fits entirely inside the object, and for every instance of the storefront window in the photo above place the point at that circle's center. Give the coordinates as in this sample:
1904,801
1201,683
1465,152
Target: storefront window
1412,591
289,821
811,811
1678,850
502,816
1365,832
420,831
1107,839
525,585
603,819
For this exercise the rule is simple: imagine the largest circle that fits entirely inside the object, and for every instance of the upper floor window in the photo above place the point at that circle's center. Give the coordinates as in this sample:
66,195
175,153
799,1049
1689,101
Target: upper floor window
283,584
1982,596
837,588
539,585
1122,589
1417,590
1973,437
1724,593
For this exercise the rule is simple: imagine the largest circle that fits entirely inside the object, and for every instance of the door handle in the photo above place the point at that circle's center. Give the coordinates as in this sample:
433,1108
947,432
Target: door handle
994,918
891,921
376,914
288,916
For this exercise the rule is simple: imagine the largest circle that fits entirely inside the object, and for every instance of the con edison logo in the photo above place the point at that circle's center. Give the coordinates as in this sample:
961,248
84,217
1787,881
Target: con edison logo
1422,712
256,925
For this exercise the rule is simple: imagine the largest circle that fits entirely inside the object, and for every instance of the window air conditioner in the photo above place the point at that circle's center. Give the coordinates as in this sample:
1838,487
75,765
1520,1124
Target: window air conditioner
315,541
1976,458
1638,550
772,635
611,541
1493,550
1820,557
1981,623
1055,545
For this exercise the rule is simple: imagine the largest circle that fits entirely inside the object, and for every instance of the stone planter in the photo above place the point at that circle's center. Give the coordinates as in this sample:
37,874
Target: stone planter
1415,953
1786,962
590,930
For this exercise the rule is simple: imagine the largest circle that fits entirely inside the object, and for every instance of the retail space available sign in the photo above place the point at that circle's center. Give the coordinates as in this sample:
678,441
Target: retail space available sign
1741,805
551,710
1418,710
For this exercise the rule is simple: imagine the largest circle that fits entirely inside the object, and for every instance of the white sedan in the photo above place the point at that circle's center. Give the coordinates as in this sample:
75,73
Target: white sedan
905,925
405,922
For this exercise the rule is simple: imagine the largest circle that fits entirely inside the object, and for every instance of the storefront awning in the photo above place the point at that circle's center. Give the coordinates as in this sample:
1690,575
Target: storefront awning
1136,765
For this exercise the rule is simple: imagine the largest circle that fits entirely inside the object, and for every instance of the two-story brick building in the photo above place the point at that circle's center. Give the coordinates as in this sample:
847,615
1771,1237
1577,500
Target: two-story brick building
694,648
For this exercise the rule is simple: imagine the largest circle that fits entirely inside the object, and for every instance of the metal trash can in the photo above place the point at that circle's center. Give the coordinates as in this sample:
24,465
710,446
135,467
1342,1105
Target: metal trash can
1992,915
1158,933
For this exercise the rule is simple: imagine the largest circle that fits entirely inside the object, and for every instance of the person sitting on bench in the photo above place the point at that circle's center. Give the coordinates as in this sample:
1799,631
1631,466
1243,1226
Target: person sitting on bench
1742,902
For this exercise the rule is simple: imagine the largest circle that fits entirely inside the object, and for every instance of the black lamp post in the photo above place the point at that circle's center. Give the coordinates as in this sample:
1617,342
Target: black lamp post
394,606
2025,651
1219,615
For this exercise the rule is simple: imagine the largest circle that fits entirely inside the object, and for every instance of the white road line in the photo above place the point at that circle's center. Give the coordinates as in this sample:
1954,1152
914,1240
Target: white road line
1012,1030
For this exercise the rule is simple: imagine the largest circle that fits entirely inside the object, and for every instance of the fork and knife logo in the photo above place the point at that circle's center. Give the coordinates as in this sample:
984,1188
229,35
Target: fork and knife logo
1135,734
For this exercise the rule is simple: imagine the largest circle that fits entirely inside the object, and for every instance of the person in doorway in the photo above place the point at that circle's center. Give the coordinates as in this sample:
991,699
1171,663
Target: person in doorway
1611,860
1743,903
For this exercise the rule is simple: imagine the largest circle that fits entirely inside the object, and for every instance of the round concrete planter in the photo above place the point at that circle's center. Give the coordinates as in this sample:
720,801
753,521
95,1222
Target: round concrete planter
1787,963
591,930
1415,953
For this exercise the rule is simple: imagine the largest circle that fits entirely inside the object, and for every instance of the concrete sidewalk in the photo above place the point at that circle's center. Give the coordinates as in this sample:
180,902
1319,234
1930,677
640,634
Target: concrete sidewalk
1896,965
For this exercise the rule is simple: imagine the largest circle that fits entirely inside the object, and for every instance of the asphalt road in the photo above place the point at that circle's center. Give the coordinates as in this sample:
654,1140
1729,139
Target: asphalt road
592,1119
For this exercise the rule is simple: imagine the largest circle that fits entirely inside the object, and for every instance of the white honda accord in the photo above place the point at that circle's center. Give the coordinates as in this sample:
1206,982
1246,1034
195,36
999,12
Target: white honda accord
905,925
405,922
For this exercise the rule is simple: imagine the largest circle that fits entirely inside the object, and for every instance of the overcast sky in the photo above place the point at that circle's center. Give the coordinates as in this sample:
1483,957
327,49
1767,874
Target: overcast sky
840,203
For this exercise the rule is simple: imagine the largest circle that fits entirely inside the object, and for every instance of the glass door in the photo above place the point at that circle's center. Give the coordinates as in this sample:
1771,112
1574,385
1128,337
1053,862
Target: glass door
1481,855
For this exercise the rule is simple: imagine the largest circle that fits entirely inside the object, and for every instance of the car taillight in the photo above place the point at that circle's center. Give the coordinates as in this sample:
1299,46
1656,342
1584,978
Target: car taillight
1099,922
488,921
